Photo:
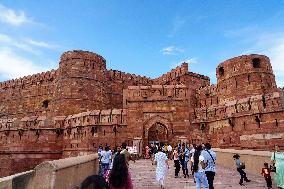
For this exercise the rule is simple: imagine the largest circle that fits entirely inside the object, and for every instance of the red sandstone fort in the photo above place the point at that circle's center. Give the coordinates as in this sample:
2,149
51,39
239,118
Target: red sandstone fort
72,110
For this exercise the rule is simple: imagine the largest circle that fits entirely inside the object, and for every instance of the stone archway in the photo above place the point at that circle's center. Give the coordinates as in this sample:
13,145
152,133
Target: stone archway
157,128
158,132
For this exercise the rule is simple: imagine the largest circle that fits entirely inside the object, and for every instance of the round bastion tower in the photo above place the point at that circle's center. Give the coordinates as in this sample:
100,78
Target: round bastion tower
81,83
245,76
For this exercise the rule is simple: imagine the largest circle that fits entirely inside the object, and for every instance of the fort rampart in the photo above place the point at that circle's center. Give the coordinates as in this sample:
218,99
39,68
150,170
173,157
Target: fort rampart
81,105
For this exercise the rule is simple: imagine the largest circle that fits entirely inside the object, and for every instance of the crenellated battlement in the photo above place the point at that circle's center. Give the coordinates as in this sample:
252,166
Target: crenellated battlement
258,104
79,54
243,64
173,74
127,77
89,118
39,78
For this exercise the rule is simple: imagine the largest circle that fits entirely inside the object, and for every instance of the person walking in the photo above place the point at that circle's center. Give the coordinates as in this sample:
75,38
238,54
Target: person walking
210,157
105,160
147,152
126,153
191,153
162,166
154,150
265,172
120,177
176,161
199,164
170,150
184,158
240,169
278,160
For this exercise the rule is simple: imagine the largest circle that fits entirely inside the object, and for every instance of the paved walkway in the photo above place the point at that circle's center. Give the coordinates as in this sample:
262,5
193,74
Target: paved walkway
143,177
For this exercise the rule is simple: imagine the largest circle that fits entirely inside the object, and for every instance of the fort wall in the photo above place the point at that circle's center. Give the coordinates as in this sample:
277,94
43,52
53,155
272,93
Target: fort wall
27,96
81,105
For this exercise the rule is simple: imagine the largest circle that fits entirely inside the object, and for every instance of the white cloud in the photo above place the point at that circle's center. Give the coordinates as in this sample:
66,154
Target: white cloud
14,66
27,44
7,41
13,17
41,44
171,50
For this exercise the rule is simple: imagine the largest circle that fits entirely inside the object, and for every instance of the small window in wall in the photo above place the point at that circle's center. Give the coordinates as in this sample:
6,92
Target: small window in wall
202,126
258,121
256,63
221,71
45,103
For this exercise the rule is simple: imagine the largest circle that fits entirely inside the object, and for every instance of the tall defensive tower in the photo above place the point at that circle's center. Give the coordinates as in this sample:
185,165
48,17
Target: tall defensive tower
81,83
245,76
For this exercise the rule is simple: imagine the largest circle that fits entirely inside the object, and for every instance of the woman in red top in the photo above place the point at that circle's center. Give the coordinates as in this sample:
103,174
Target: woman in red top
119,175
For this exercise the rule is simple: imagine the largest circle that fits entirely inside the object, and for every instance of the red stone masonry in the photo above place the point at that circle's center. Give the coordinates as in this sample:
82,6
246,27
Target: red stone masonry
81,105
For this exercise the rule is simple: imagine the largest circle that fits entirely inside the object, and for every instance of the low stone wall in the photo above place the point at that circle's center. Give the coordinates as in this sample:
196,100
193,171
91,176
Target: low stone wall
253,159
64,174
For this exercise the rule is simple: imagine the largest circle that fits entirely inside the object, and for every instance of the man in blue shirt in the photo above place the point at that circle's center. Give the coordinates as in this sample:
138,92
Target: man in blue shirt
184,158
240,169
210,157
105,159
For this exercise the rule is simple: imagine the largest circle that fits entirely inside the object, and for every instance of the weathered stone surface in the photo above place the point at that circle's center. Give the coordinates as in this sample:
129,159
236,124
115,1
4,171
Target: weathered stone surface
64,174
72,110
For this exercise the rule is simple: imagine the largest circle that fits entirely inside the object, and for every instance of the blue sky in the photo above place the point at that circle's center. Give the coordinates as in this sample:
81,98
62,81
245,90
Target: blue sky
142,37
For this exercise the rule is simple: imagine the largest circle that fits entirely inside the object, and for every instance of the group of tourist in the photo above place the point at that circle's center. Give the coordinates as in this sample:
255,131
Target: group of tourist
201,160
113,171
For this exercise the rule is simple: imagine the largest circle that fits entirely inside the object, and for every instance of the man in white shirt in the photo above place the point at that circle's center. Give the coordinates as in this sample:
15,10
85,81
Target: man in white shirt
170,149
191,154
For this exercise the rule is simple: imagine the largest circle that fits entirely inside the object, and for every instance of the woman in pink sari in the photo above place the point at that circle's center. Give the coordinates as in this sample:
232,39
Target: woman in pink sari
147,152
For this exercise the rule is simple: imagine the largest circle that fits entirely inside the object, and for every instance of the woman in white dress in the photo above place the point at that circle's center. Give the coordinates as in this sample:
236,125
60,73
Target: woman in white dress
162,166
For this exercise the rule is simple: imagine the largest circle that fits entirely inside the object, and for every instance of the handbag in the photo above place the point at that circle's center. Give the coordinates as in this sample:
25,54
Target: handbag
243,166
273,167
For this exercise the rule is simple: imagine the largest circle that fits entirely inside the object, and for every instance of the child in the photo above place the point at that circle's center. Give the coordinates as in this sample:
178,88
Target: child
240,169
265,172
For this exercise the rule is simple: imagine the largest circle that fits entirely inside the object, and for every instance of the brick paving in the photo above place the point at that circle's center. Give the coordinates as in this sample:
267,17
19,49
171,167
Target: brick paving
143,177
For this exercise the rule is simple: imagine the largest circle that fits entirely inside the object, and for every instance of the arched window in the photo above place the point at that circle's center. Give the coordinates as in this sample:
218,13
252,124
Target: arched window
45,103
221,71
256,63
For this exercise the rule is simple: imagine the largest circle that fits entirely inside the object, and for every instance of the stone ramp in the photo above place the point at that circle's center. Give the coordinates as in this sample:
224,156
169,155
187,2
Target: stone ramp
143,177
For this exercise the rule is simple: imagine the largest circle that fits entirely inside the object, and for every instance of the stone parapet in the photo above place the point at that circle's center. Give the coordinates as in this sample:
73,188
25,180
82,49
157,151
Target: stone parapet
64,174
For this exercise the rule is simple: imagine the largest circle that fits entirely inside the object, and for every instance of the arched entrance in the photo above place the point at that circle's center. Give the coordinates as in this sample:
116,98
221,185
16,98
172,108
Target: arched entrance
157,129
158,133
